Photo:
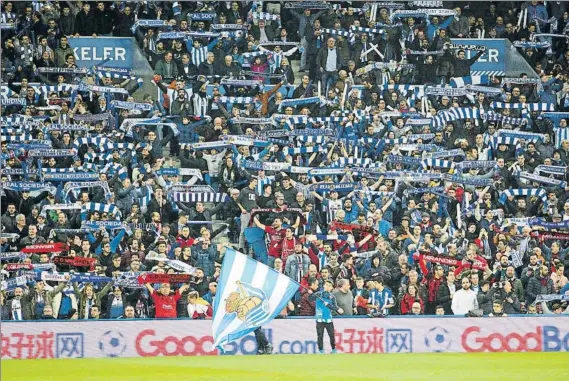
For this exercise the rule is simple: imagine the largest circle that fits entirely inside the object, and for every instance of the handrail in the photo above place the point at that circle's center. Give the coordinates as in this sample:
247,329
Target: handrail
293,318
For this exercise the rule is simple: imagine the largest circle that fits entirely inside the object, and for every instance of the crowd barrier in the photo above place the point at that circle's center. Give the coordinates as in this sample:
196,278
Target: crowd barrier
150,338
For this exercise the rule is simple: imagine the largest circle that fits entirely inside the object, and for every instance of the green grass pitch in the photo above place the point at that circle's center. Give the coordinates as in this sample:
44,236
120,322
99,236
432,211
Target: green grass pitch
377,367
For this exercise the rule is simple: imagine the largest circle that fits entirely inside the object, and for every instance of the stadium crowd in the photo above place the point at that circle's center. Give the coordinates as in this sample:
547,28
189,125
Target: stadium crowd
380,162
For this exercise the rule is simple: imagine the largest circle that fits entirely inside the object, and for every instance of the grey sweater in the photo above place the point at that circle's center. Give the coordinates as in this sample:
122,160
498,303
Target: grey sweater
345,301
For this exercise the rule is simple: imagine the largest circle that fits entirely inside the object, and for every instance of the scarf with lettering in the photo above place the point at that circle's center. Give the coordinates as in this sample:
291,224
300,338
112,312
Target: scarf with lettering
146,278
541,179
25,186
131,105
470,180
45,248
75,261
90,207
445,91
149,24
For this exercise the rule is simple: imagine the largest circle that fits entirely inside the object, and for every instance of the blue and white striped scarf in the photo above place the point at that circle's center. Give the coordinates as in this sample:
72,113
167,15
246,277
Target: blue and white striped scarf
112,146
494,141
99,142
297,150
107,74
146,197
470,80
199,197
312,139
342,162
62,87
539,107
455,113
102,157
299,101
537,192
243,100
492,116
561,134
336,32
437,163
90,207
360,29
265,16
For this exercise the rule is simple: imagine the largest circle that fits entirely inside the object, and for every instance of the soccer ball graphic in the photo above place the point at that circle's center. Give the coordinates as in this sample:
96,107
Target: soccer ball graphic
437,339
112,344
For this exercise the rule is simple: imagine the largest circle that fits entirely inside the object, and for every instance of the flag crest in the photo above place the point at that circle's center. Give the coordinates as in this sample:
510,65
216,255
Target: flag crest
249,295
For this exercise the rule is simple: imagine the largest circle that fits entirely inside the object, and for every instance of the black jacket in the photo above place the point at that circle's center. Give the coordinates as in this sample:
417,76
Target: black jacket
103,21
444,299
462,67
85,23
123,23
322,57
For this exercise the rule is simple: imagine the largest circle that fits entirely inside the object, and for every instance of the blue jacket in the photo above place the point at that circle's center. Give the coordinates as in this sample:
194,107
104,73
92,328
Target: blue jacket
432,28
550,89
205,258
537,12
325,304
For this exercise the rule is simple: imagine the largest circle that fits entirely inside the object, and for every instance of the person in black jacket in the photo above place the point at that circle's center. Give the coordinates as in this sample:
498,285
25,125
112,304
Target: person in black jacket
159,204
124,21
329,71
460,63
427,71
485,296
446,293
286,70
85,22
23,201
104,20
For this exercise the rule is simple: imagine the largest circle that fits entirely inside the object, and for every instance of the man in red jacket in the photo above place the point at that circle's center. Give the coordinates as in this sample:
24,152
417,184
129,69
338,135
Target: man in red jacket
306,306
164,302
434,282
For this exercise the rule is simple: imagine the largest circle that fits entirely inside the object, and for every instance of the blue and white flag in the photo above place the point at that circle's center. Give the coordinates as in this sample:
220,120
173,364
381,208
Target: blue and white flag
250,294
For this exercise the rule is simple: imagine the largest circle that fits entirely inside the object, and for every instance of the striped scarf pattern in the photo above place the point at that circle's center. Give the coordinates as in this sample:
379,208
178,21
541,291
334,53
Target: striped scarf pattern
199,197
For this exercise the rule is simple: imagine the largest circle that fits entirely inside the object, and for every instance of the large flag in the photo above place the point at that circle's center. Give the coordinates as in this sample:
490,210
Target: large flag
249,295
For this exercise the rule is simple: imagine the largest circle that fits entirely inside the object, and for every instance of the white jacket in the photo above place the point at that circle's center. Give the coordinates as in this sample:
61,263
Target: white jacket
464,301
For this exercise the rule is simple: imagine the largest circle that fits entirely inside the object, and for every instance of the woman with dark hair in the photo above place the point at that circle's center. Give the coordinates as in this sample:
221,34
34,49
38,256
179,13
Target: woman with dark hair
411,296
